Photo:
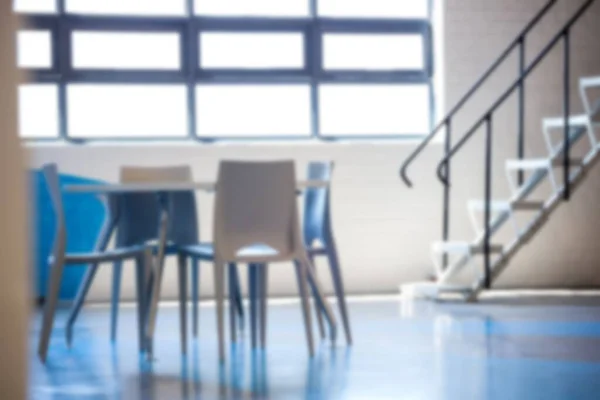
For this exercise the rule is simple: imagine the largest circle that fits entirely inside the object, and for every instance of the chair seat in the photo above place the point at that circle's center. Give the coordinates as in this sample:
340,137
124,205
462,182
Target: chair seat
170,248
206,251
258,250
105,256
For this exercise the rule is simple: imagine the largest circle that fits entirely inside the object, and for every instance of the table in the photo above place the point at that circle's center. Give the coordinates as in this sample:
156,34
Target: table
158,187
111,192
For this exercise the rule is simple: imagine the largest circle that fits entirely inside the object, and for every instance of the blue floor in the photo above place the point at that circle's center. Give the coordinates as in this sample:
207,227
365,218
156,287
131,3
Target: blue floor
498,349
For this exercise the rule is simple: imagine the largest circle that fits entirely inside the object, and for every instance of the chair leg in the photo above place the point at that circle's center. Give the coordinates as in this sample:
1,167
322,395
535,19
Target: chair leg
338,285
318,310
152,305
156,277
219,276
140,279
182,272
52,293
253,292
264,281
79,300
115,297
238,296
147,282
303,290
320,297
195,295
232,303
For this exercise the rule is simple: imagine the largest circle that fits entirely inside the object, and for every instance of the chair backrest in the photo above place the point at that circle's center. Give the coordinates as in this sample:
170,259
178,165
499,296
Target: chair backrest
317,217
53,182
256,204
139,218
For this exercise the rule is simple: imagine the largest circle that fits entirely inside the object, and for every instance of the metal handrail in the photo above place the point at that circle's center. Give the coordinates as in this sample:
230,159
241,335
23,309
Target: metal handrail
563,34
446,122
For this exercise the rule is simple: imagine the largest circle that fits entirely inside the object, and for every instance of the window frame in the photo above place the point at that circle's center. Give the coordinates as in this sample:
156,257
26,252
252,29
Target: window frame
189,27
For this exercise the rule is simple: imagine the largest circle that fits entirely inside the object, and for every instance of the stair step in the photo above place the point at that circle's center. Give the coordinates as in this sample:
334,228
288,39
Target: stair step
581,120
590,82
503,205
463,248
539,163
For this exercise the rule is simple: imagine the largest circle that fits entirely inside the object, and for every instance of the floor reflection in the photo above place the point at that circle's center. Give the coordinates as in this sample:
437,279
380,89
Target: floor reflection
246,376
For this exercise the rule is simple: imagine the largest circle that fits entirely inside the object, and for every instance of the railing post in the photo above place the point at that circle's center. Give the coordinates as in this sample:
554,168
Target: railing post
567,110
521,139
446,204
488,200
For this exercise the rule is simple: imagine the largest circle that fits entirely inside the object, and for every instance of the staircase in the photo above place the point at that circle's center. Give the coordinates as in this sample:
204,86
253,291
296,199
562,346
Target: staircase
504,211
487,254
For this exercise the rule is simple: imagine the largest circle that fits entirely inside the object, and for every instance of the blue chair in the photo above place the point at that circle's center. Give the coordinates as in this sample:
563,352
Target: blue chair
318,228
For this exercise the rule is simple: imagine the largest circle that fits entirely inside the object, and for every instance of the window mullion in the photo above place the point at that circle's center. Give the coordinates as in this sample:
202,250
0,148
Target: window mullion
313,63
63,57
189,62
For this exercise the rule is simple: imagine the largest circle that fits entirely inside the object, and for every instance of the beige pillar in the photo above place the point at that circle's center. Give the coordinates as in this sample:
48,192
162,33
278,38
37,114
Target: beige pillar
14,285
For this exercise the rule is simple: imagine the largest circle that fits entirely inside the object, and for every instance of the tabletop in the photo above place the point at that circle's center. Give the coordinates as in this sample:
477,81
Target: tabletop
116,188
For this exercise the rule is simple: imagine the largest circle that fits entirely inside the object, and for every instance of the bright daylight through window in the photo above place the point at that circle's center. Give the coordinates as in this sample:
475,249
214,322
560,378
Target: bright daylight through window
225,69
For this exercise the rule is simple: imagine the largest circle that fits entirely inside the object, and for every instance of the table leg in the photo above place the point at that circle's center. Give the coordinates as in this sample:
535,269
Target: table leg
253,294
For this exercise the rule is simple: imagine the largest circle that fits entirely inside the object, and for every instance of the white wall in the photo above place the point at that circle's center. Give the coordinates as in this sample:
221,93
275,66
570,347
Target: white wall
384,229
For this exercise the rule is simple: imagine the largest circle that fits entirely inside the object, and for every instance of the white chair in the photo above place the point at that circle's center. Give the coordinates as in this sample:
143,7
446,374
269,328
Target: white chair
60,258
256,222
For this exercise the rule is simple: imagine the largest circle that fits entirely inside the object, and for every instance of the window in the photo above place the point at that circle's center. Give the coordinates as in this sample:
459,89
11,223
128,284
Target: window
127,7
34,49
372,51
374,8
226,69
374,110
38,111
253,110
121,50
253,8
35,6
251,50
129,111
